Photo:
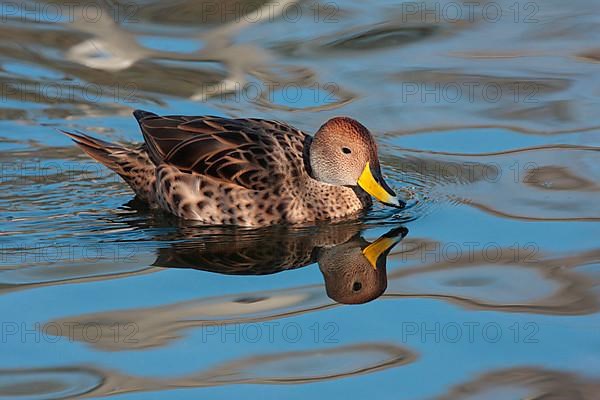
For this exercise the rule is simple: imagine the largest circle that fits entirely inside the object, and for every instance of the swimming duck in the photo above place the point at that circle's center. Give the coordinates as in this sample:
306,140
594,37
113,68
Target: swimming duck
248,172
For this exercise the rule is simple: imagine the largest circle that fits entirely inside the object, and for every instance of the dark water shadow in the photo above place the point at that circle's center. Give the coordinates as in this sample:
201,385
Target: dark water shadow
354,269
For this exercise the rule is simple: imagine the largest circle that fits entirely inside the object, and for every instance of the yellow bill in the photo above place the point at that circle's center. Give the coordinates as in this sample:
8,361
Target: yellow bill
382,246
381,191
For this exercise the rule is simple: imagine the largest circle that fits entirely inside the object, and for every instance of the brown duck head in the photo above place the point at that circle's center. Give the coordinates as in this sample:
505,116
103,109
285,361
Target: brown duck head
343,152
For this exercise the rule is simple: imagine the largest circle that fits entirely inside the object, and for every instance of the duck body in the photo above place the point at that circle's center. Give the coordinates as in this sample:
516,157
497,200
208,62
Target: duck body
247,172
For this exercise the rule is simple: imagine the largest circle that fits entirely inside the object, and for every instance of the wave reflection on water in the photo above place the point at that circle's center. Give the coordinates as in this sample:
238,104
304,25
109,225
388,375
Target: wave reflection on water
283,368
488,127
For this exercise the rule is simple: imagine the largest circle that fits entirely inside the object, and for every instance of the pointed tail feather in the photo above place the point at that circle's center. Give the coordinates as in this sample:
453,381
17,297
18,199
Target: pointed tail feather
132,164
99,150
141,114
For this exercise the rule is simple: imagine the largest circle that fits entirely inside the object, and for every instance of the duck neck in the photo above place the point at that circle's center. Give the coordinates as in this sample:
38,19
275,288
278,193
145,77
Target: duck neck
306,156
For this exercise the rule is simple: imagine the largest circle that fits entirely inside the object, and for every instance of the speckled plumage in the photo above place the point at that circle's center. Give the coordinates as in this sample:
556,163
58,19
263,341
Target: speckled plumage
248,172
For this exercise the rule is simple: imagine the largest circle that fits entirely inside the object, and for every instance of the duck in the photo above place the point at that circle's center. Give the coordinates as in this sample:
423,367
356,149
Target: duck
353,269
247,171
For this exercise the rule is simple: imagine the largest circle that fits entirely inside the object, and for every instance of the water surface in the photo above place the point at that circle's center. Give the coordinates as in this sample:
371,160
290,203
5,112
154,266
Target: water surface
487,120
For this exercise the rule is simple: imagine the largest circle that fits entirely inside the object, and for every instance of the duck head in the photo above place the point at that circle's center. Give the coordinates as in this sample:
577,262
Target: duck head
343,152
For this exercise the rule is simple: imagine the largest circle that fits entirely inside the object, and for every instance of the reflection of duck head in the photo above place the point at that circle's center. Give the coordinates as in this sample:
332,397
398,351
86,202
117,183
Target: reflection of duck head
355,272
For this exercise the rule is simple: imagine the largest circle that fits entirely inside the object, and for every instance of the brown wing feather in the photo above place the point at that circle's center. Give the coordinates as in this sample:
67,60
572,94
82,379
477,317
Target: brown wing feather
162,133
238,151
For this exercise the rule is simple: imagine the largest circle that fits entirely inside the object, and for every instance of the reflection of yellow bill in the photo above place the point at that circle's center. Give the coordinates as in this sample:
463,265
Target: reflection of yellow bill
370,185
373,251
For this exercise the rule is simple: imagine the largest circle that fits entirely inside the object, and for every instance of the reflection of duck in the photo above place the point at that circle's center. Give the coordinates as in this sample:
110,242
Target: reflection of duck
248,172
355,272
354,269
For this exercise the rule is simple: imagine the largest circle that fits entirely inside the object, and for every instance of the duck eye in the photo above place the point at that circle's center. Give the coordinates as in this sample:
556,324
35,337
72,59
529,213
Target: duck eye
346,150
357,286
